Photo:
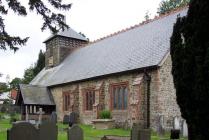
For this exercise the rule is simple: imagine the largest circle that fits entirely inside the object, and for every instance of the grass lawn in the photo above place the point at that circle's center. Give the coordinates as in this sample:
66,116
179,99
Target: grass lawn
89,132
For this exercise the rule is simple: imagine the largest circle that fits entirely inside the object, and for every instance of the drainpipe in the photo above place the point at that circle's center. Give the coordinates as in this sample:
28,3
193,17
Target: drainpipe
147,77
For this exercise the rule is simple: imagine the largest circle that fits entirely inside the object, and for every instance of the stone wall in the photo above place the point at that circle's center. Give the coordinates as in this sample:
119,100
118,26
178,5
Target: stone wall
57,93
167,97
162,97
135,112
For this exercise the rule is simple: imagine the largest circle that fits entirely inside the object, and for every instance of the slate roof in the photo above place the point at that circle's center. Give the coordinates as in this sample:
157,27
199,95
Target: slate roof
68,33
139,47
36,95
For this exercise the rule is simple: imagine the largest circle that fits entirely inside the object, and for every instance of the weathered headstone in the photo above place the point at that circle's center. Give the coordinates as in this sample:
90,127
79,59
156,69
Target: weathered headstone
175,134
75,133
23,131
184,129
135,131
73,118
53,117
66,119
139,133
160,125
48,131
177,123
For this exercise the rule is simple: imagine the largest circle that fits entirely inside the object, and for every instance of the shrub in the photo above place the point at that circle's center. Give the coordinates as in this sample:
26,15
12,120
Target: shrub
3,109
13,119
105,114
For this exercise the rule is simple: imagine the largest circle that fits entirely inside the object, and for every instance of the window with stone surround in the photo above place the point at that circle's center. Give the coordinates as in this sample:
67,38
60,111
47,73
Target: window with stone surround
119,94
89,95
66,101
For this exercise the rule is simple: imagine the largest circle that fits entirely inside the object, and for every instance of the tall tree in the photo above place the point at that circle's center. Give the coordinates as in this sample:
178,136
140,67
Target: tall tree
40,64
169,5
15,82
51,20
190,67
28,75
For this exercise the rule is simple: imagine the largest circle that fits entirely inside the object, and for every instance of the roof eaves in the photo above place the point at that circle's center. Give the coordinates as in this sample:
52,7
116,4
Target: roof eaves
164,58
57,35
106,75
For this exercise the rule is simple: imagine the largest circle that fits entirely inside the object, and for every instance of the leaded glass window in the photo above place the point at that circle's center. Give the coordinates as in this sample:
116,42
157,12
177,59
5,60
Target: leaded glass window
120,97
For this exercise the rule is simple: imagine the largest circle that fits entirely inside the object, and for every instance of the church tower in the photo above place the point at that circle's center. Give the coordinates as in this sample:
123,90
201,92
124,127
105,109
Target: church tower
59,45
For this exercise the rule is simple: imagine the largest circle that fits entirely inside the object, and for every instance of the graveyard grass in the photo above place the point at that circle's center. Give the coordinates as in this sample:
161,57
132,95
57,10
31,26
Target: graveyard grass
89,132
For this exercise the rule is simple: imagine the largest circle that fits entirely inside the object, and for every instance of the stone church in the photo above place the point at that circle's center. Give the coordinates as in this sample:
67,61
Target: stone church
128,73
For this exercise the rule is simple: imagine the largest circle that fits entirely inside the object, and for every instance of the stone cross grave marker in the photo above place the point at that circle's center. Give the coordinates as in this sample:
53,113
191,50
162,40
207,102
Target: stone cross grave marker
40,112
177,123
184,129
53,117
22,131
75,133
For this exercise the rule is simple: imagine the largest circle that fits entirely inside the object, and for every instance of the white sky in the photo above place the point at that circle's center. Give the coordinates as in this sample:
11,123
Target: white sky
94,18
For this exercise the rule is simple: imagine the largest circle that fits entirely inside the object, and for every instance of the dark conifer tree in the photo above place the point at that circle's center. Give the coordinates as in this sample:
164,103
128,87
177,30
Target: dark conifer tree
190,67
40,64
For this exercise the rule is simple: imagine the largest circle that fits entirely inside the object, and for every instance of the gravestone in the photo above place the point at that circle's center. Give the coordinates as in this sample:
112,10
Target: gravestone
75,133
53,117
48,131
135,131
175,134
184,129
160,125
176,123
66,119
23,131
139,133
73,118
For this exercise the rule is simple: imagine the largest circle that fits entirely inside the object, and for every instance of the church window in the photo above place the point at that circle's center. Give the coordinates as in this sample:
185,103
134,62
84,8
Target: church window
119,96
89,99
66,101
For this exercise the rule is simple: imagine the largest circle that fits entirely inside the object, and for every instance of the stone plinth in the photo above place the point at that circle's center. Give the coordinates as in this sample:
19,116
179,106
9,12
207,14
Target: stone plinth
103,123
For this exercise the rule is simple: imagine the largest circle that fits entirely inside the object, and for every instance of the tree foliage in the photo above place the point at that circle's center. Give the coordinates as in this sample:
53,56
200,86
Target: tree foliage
190,67
3,87
40,64
51,20
15,82
28,75
169,5
32,71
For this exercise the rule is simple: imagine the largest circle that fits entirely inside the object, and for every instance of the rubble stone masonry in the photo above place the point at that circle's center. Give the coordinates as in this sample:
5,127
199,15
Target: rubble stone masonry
162,97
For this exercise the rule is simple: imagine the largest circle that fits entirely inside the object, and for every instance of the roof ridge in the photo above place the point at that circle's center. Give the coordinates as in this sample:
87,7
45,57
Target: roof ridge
140,24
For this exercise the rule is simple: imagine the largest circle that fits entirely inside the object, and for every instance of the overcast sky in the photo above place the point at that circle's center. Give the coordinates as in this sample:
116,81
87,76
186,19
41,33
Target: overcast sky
94,18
